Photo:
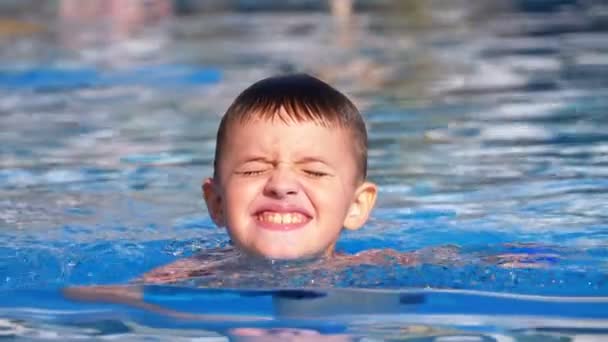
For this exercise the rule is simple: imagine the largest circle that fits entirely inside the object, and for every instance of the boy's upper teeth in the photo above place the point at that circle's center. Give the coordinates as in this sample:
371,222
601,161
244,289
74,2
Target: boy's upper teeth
281,218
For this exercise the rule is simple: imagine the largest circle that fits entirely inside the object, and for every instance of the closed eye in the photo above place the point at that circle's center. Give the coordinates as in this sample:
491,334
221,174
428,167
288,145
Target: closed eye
251,172
315,173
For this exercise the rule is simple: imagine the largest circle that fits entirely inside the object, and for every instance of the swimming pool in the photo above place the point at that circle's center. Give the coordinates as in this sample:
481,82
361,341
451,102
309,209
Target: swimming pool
487,140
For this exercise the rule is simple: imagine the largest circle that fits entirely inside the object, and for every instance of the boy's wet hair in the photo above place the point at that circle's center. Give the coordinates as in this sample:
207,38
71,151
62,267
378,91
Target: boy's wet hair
304,99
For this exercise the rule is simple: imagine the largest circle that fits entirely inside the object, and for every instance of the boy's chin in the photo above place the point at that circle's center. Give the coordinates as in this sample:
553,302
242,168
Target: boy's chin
283,253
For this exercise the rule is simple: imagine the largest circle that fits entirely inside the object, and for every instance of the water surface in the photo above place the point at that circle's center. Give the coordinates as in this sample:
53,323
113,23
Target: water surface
486,127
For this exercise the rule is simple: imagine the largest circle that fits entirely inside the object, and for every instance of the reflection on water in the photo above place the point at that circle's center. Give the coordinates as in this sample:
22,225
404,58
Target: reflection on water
486,126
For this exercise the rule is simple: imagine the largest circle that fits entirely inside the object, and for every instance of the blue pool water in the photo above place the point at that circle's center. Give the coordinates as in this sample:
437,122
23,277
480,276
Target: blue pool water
487,140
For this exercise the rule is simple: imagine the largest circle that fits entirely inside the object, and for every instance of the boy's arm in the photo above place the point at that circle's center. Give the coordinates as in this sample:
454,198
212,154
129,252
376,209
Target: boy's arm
117,294
134,296
125,294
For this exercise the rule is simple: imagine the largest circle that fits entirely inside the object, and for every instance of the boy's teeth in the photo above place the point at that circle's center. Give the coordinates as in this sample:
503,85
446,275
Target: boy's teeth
277,218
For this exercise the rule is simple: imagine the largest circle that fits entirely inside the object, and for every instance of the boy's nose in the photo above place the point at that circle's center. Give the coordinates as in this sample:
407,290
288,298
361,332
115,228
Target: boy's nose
281,183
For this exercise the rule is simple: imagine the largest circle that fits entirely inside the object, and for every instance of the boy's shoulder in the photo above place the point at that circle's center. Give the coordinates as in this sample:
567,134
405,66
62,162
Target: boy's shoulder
201,264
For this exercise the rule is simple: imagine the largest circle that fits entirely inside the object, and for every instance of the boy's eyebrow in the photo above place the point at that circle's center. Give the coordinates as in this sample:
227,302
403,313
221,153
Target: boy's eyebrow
255,159
307,160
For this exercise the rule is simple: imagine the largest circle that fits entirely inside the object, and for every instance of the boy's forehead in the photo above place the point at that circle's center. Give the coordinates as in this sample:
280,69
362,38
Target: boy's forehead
278,125
261,130
305,139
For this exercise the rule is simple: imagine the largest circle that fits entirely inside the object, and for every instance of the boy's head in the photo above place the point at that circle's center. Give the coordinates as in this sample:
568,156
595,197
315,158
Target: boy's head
290,168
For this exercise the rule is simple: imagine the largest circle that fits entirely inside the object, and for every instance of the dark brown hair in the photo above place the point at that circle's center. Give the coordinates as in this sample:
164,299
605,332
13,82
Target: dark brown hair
303,98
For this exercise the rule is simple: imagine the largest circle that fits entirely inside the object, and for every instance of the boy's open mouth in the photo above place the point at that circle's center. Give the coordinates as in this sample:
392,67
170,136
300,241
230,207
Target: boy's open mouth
273,220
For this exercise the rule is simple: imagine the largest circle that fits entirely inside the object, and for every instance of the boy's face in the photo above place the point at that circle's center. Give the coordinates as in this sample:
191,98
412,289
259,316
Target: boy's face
286,191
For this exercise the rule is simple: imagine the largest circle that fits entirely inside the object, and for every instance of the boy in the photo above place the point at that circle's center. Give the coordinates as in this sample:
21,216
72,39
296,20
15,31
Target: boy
289,173
290,168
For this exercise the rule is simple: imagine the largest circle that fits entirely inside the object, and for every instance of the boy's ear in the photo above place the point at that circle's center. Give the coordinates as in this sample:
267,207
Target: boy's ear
213,199
364,201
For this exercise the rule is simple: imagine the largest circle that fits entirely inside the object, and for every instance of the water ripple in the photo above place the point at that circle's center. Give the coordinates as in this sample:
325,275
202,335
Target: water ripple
486,128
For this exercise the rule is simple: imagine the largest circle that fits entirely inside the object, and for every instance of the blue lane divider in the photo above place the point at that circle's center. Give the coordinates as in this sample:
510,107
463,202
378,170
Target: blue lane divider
155,75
